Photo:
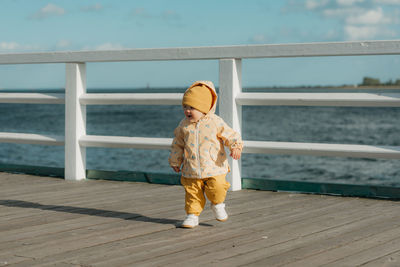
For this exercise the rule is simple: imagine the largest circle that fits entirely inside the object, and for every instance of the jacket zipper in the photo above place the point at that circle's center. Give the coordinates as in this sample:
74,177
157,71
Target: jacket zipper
198,149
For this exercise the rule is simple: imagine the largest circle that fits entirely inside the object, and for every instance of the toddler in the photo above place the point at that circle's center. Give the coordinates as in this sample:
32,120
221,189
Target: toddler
198,152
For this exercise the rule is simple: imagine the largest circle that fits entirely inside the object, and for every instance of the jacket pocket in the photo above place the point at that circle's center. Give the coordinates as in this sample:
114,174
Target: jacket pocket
214,154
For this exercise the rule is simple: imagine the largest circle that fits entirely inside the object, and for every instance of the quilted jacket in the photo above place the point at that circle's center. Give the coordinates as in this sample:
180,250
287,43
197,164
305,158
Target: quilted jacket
199,147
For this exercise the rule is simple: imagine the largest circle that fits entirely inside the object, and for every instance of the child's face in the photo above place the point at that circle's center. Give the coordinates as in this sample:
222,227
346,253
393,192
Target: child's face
192,114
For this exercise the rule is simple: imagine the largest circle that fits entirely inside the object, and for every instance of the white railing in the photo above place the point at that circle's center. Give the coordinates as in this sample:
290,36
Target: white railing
231,99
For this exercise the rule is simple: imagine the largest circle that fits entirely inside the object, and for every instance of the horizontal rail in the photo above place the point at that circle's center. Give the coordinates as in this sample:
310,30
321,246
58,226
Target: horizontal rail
391,47
32,98
125,142
319,99
28,138
251,99
264,147
132,99
315,149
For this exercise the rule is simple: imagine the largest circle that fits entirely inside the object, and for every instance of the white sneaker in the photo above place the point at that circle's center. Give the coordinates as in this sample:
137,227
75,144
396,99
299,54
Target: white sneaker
190,221
219,212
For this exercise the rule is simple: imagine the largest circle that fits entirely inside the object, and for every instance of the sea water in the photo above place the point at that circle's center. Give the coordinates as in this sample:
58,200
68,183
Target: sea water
333,125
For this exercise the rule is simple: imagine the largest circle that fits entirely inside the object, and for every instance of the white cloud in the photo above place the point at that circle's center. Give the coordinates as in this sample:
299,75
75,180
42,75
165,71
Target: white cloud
9,46
92,8
342,12
348,2
387,2
369,24
360,32
396,16
314,4
48,11
62,44
16,47
359,19
166,15
369,17
354,33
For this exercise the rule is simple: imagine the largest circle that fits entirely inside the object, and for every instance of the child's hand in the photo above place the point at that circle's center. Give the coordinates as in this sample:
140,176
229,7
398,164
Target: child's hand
176,168
236,153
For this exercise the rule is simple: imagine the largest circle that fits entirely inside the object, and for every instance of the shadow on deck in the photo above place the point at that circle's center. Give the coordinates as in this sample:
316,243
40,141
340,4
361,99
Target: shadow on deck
46,222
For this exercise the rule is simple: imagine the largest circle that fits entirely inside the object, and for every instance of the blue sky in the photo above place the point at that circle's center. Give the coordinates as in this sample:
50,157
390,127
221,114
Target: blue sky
71,25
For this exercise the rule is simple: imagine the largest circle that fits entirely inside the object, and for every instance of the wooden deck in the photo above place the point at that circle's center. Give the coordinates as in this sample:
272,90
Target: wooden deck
51,222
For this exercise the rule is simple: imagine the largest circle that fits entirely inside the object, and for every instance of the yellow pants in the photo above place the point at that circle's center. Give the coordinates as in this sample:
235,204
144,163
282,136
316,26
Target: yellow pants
214,188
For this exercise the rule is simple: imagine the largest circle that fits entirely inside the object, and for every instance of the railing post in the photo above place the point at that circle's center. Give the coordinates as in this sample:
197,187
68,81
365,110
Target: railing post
75,121
230,85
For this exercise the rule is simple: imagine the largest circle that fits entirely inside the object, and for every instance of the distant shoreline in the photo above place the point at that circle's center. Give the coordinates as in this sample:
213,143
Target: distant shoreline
345,87
364,87
180,89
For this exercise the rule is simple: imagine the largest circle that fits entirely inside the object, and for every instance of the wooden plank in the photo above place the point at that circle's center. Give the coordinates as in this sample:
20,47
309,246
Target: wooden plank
382,248
65,211
81,193
296,237
28,138
78,252
264,147
81,238
391,260
374,236
125,142
326,243
250,99
391,47
234,251
318,149
69,220
131,99
32,98
61,240
185,249
168,243
105,223
142,203
62,202
248,251
319,99
84,226
54,193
